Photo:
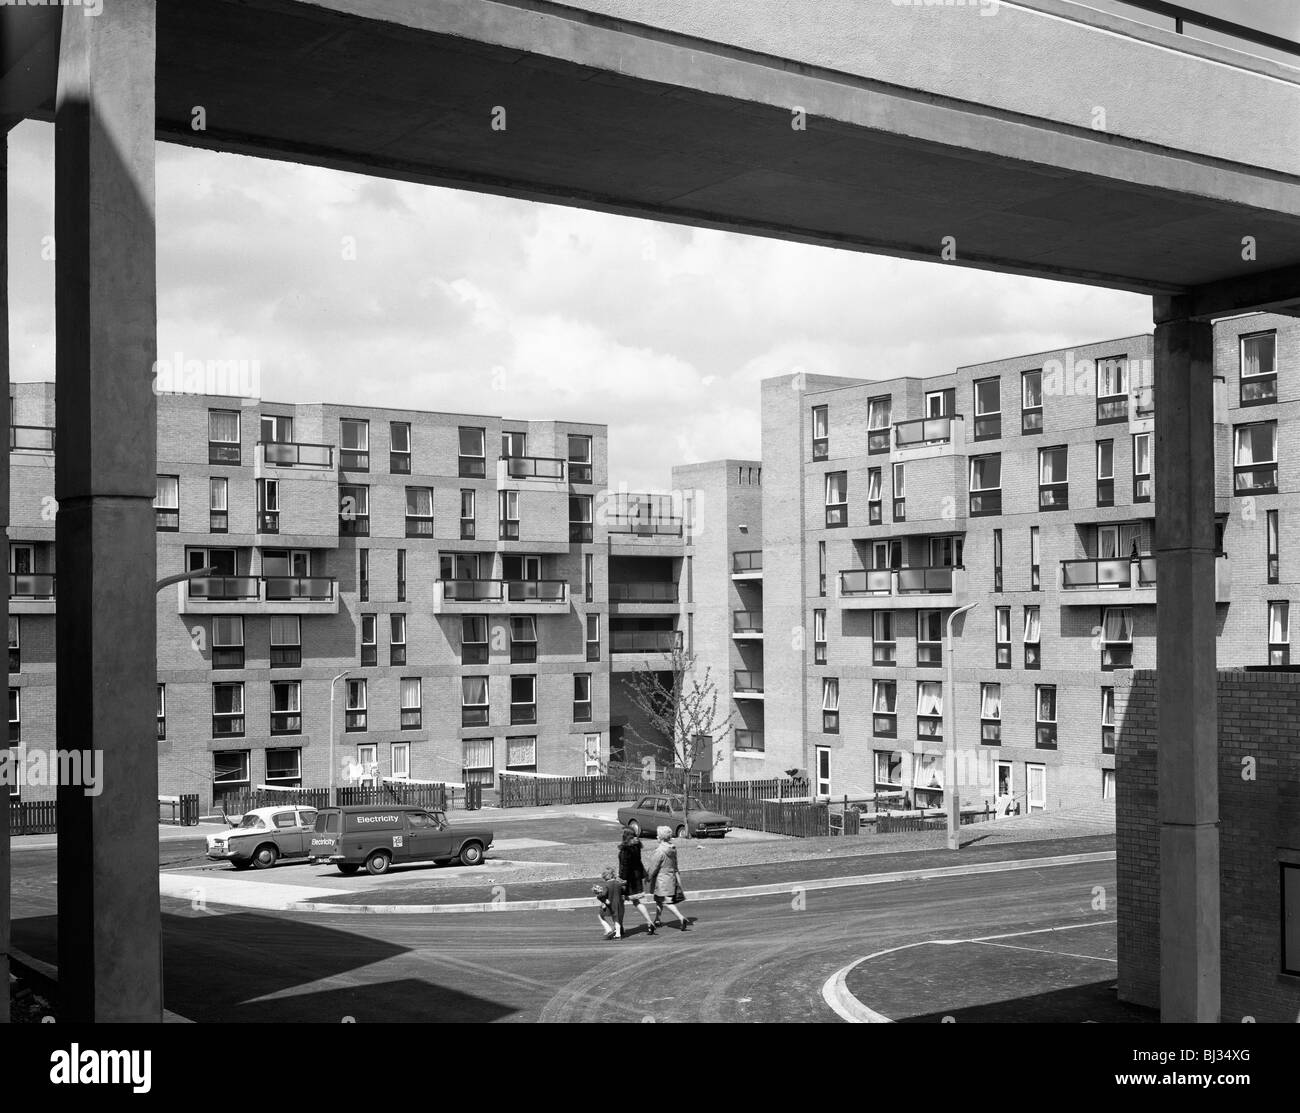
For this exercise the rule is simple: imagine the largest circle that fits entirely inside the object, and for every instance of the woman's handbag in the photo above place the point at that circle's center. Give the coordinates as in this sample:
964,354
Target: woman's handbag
678,895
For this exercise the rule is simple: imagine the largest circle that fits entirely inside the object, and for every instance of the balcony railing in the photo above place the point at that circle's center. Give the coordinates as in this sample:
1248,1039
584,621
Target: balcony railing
537,591
646,592
749,561
31,585
860,581
925,581
747,622
533,467
937,580
1114,572
270,589
748,681
314,588
219,588
749,740
644,641
294,454
643,525
31,438
923,431
471,591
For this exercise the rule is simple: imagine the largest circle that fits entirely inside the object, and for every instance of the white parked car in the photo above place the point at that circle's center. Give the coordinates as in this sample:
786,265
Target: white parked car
263,836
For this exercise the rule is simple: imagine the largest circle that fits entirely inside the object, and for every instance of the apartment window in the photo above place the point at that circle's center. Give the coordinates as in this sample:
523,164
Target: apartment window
1117,638
223,437
1033,638
523,639
229,772
400,761
582,697
473,639
900,493
162,712
514,445
593,637
472,460
397,639
929,639
997,560
1112,390
286,641
1279,633
889,770
1035,559
399,445
579,458
1031,402
1255,459
227,642
1045,716
820,432
16,716
821,568
218,506
1106,473
473,701
1002,636
354,713
1053,478
884,645
589,576
276,429
986,484
15,644
521,754
837,499
369,640
878,427
286,707
819,637
1142,467
1108,720
523,699
409,704
884,708
929,709
991,714
401,575
580,519
354,444
1258,369
509,507
476,762
830,705
988,409
227,710
419,511
874,512
354,510
1290,926
363,575
167,504
268,506
1274,556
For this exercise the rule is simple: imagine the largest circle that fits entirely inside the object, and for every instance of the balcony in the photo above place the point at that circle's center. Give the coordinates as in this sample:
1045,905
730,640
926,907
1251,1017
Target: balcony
31,438
749,743
536,596
515,596
1108,582
31,593
644,641
295,454
258,595
747,624
929,588
645,597
747,565
747,685
927,437
533,470
643,525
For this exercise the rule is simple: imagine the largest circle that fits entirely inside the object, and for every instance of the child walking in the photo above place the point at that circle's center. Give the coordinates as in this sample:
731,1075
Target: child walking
609,896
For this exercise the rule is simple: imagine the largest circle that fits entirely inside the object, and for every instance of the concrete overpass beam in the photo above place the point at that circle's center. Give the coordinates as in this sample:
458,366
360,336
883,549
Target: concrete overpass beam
106,322
4,526
1187,756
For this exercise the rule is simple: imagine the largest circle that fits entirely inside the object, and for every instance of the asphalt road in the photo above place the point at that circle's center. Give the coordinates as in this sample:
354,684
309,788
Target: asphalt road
753,960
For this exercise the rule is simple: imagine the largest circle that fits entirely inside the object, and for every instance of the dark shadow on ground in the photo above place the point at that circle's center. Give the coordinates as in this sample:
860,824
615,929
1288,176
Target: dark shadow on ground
1095,1003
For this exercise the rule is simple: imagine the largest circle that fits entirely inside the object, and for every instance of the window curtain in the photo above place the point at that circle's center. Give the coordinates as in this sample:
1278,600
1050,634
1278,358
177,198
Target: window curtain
928,771
1031,625
882,626
1257,355
397,629
884,697
217,489
478,753
837,487
523,629
819,626
1279,623
1004,624
1108,544
419,502
1106,460
988,397
1108,707
1110,378
873,485
1256,444
285,697
1031,391
228,699
356,436
471,442
228,630
986,473
356,695
929,698
1052,467
878,415
167,496
1117,624
223,425
819,421
284,629
521,751
830,695
474,690
990,701
1047,705
410,693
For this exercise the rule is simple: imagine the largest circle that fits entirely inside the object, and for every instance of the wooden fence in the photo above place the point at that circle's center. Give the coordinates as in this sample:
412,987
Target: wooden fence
183,811
894,824
37,817
801,820
388,792
628,785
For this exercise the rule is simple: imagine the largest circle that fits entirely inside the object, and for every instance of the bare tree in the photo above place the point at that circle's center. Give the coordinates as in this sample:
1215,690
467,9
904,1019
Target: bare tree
684,713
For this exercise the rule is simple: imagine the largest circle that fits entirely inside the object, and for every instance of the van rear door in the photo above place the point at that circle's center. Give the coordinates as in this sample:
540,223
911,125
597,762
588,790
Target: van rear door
325,840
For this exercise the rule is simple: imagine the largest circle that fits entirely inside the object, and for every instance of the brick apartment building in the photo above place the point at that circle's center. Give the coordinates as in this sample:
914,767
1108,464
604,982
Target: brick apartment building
1025,486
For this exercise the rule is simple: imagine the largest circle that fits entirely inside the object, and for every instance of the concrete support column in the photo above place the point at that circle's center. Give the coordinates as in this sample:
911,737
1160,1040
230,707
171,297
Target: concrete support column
1187,760
5,907
106,320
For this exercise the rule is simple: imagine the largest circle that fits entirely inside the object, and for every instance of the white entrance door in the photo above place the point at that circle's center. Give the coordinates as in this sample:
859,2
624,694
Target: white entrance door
823,771
1036,787
591,754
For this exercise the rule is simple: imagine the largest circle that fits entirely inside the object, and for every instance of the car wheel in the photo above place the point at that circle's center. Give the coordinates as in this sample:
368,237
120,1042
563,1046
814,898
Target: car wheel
264,857
347,869
681,831
241,865
634,827
378,863
471,854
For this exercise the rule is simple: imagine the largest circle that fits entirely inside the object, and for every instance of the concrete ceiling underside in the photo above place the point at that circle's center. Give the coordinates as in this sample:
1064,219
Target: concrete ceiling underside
291,81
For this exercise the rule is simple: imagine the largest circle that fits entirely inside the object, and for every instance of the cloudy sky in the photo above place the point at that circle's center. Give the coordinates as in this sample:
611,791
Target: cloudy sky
467,303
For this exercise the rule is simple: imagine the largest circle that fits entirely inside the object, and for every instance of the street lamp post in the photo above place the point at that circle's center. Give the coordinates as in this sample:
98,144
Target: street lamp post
333,682
950,733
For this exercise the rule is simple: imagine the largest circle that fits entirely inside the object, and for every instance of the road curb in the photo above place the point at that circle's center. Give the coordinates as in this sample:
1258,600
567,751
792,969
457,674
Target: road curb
738,893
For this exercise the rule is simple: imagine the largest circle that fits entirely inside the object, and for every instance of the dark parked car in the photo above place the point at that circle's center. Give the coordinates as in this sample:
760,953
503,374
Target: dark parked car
377,836
663,809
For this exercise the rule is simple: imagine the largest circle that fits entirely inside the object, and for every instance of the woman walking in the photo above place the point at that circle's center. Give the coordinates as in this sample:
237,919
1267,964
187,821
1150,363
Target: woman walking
665,881
632,871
